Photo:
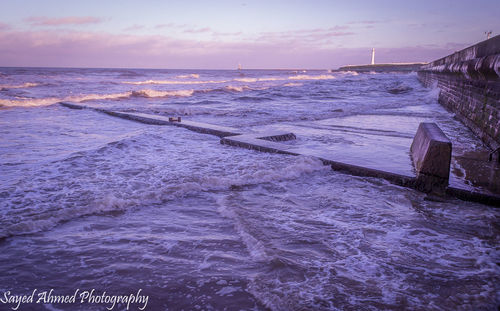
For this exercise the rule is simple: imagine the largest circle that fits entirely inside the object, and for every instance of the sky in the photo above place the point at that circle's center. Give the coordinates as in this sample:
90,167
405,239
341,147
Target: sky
269,34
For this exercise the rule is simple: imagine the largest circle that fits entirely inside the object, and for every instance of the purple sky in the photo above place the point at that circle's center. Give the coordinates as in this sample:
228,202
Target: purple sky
221,34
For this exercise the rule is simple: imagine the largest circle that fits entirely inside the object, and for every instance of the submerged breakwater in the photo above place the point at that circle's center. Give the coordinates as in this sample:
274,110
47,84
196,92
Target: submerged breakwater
95,202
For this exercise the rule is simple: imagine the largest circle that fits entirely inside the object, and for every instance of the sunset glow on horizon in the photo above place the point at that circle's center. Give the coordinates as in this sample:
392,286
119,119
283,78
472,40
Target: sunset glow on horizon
222,34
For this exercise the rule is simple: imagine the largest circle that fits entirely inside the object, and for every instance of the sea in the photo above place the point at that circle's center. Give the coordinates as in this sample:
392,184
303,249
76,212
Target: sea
91,202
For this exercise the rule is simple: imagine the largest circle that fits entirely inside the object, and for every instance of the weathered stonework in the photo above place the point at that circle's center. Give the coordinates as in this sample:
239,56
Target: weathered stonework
469,84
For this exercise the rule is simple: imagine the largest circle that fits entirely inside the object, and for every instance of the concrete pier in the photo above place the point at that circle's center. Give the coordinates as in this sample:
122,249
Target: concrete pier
205,128
271,141
431,154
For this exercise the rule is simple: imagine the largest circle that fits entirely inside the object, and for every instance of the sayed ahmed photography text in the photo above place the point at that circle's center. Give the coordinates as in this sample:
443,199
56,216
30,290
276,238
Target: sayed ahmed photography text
132,301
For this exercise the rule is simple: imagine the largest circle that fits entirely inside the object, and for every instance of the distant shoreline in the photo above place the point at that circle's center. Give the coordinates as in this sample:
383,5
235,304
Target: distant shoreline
384,67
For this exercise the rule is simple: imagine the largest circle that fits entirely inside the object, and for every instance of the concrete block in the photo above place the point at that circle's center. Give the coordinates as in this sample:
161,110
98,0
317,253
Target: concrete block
431,154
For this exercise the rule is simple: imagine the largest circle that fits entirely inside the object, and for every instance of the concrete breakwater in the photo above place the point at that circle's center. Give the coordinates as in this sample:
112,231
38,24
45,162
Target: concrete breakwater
469,84
431,149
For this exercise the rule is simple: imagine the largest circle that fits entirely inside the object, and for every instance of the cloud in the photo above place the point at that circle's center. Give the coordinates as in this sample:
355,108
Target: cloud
70,20
92,49
134,27
197,30
369,22
172,25
216,33
4,26
312,37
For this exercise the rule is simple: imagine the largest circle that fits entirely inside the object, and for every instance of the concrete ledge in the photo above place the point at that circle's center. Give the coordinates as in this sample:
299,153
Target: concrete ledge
473,196
429,146
401,180
265,143
72,106
276,136
205,128
431,154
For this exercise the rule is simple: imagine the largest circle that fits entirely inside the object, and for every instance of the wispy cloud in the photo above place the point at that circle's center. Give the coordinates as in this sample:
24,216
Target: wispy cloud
172,25
198,30
134,27
58,21
317,36
365,22
4,26
217,33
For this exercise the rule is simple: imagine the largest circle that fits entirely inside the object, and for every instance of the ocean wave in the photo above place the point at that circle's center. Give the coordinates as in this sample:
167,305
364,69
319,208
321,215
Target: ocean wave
18,86
236,88
25,221
399,89
295,77
310,77
147,93
245,80
190,76
300,165
248,80
45,221
349,72
172,82
153,93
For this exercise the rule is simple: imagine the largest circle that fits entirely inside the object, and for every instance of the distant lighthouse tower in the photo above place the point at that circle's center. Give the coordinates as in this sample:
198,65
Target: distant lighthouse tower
373,56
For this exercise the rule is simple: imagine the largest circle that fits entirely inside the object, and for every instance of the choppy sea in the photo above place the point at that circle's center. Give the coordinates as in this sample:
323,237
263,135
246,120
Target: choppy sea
89,201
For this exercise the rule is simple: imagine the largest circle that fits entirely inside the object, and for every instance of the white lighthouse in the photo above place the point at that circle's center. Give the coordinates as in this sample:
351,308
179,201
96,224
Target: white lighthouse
373,56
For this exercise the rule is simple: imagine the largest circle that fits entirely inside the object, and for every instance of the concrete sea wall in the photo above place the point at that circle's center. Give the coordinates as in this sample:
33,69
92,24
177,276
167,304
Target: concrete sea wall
469,83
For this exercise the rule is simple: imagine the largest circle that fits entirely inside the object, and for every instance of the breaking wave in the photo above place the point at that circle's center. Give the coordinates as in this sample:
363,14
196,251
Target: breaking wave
36,102
309,77
190,76
172,82
19,86
246,80
152,93
102,203
293,84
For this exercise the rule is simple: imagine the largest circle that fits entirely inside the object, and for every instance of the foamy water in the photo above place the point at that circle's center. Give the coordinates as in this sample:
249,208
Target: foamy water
92,201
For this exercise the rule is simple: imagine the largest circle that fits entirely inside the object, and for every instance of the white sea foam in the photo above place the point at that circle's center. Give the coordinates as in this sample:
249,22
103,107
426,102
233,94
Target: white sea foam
293,84
300,165
189,76
35,102
246,80
139,192
249,80
18,86
310,77
154,93
173,82
352,73
235,88
47,220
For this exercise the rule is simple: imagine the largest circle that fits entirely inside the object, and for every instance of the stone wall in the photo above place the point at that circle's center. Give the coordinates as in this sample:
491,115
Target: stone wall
469,83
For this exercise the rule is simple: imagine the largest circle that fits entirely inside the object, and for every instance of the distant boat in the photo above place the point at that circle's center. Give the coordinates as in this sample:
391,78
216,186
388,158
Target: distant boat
239,66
